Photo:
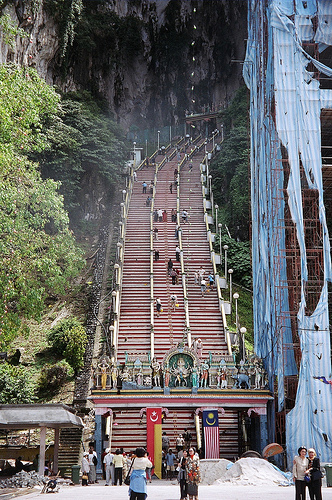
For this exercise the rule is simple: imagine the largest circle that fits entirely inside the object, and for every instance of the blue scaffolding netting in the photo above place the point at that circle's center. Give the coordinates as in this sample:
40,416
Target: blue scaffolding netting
285,109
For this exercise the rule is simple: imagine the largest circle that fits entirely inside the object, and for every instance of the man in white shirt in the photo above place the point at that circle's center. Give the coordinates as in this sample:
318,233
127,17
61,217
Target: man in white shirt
92,457
109,469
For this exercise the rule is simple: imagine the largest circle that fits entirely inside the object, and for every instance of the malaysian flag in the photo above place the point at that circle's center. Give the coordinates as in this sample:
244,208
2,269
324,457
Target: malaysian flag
211,433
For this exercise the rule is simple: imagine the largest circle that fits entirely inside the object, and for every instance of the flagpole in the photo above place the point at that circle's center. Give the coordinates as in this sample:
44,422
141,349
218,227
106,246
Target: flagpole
198,432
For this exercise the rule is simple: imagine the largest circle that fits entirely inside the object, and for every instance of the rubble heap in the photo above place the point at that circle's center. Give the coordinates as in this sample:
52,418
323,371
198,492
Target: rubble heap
23,480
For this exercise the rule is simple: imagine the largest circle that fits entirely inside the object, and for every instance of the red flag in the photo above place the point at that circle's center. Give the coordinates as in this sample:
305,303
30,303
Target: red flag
153,417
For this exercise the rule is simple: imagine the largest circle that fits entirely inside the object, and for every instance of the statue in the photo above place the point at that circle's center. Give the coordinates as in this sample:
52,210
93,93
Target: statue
156,372
140,378
205,375
194,376
223,377
103,366
199,348
180,373
114,376
125,375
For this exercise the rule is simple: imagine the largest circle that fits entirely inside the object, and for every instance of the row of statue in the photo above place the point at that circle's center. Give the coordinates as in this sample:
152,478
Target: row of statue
181,370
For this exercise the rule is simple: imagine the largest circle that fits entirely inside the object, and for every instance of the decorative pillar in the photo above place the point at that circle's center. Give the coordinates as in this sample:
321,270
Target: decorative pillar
99,443
263,432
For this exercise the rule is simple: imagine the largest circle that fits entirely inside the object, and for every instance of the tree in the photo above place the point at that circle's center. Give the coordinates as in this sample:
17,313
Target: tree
69,340
83,143
38,253
15,385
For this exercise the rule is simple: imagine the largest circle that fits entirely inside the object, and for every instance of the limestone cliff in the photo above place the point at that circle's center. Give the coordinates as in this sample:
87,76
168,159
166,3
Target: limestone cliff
151,59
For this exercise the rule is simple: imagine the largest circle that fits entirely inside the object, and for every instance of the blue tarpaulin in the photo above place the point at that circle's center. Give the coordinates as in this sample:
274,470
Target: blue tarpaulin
285,109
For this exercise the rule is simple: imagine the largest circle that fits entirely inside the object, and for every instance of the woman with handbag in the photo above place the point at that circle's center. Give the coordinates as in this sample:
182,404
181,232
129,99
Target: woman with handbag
300,465
315,484
193,474
85,469
137,487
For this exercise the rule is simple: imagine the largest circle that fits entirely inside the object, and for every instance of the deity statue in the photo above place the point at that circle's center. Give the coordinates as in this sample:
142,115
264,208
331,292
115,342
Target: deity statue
140,378
223,377
194,376
156,372
125,375
103,366
180,373
205,374
114,376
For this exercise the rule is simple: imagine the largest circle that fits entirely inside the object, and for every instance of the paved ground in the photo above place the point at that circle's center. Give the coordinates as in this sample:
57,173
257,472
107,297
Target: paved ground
162,490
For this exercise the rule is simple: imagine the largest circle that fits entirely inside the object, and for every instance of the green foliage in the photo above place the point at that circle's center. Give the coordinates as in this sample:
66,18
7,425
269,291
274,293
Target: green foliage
26,104
238,258
101,28
10,30
84,142
69,340
68,14
53,377
237,113
229,170
38,254
15,385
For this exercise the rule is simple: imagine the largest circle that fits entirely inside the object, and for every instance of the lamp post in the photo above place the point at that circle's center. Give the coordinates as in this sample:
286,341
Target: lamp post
111,329
230,272
216,208
243,332
146,148
119,246
134,143
235,297
210,183
158,140
124,192
226,248
219,227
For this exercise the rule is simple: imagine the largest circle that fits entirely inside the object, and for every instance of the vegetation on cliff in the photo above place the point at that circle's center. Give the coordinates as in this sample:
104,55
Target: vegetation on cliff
85,149
38,253
39,256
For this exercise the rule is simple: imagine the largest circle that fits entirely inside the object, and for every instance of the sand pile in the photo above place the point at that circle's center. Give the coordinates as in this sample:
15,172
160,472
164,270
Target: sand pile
254,471
211,470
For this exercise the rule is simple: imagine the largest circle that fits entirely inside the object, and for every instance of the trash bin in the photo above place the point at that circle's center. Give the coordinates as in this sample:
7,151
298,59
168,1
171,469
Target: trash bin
75,474
328,468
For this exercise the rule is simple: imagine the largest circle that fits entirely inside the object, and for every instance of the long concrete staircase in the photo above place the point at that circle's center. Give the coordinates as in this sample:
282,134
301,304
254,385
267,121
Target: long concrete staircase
135,313
205,318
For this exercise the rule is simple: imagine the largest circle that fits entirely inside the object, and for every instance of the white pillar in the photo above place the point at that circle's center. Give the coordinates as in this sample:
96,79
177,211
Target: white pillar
42,451
56,449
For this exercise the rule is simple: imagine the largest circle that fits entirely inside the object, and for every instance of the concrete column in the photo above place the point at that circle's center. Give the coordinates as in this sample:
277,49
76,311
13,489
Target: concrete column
263,431
99,443
56,449
42,451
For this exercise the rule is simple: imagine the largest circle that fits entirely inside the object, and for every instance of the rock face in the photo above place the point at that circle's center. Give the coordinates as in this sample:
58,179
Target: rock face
152,60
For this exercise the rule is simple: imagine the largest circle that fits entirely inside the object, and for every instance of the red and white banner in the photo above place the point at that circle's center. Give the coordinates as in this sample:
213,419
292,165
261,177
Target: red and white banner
153,436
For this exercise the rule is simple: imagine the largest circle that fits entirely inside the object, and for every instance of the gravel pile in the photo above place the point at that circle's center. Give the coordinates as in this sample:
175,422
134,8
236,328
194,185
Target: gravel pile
23,480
